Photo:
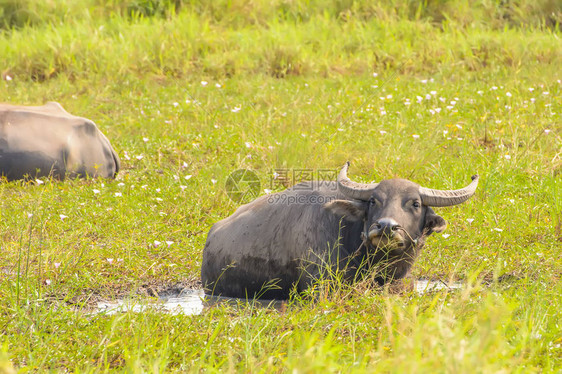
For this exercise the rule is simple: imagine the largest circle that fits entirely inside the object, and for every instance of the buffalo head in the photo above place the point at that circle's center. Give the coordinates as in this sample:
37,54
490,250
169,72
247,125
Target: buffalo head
396,215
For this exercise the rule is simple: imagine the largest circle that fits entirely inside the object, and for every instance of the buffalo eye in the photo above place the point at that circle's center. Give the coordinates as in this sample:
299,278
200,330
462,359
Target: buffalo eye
416,204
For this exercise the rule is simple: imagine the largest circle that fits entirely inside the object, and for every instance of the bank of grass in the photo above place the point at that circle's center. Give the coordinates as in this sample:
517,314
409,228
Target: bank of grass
187,97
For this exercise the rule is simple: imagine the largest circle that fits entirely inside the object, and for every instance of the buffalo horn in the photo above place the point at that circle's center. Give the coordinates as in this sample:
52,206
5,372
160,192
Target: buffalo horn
354,190
439,198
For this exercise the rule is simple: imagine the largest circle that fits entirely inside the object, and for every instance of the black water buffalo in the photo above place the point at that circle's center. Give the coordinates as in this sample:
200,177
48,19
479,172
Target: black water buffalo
287,239
39,141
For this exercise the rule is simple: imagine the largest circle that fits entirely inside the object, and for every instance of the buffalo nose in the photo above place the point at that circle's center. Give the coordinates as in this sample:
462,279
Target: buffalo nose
387,226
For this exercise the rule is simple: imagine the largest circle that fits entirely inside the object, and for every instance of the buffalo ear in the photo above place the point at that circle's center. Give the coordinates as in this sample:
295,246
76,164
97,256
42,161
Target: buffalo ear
433,222
353,210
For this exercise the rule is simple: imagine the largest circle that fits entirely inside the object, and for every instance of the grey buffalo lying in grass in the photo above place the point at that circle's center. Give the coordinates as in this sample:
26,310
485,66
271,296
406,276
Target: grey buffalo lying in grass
47,141
287,240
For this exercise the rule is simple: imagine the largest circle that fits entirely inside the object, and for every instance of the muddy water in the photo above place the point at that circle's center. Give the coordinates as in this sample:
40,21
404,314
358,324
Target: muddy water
424,285
193,302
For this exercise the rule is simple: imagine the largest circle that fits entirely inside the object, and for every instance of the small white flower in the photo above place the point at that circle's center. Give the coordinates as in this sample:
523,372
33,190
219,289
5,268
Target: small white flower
453,102
145,139
415,136
96,191
176,177
48,282
57,265
498,229
382,132
507,157
494,88
389,96
470,220
176,104
424,81
546,131
458,126
118,194
119,260
144,186
433,93
236,109
445,132
275,175
62,216
204,83
183,187
546,93
121,184
445,236
214,181
428,96
419,99
248,144
217,85
375,75
158,190
110,260
159,199
267,191
531,89
157,243
479,92
169,243
187,177
512,201
139,157
508,94
437,110
39,181
383,112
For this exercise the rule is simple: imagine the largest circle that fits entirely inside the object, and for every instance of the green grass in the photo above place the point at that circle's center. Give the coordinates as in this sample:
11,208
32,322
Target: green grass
289,86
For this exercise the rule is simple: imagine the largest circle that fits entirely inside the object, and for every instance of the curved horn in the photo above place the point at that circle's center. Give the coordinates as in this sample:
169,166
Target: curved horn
354,190
438,198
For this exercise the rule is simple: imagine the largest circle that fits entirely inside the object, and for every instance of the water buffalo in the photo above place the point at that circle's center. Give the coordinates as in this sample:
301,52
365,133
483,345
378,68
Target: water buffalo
287,239
43,141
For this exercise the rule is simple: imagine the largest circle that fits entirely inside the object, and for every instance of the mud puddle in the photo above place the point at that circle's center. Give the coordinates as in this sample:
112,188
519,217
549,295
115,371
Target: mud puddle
194,301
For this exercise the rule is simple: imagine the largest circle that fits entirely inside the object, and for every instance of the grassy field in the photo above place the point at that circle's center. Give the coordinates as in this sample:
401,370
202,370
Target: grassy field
190,91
